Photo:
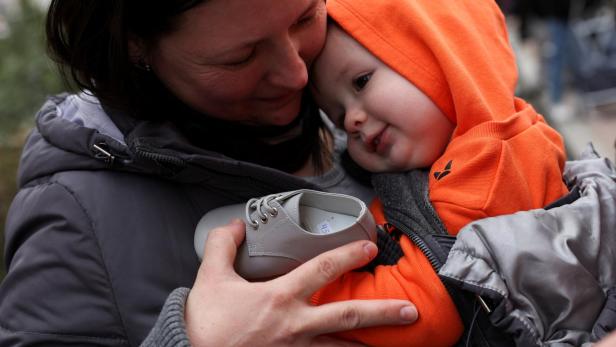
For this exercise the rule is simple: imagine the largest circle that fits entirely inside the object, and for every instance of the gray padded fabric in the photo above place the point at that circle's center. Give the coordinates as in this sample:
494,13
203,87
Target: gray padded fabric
551,268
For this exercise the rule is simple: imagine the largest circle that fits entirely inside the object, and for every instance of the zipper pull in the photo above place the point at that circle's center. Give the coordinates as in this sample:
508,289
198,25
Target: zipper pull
483,304
101,153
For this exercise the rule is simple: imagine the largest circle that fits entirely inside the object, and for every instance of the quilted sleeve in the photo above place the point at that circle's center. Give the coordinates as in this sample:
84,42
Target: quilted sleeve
56,291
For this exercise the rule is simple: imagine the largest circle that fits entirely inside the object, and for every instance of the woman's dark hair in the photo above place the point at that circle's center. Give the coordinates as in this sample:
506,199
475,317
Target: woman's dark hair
89,41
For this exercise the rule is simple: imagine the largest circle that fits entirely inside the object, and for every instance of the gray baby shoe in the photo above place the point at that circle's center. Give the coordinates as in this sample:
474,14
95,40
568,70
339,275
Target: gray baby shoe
287,229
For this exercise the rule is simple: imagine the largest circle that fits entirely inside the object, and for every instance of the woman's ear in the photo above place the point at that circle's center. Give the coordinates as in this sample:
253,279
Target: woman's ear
137,53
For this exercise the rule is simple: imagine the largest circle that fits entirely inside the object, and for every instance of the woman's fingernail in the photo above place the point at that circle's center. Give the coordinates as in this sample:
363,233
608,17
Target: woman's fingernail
408,313
370,249
236,221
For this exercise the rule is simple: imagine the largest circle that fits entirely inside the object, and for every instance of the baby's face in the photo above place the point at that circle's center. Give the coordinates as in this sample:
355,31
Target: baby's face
391,125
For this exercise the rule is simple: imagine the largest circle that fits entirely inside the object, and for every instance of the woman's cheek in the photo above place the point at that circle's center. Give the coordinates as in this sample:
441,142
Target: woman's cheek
235,85
313,39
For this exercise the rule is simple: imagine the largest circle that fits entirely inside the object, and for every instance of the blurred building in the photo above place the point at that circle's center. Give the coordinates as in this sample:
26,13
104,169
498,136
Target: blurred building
566,54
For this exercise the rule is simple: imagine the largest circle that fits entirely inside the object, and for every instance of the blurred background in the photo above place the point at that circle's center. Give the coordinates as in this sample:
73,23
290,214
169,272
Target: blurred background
565,49
566,55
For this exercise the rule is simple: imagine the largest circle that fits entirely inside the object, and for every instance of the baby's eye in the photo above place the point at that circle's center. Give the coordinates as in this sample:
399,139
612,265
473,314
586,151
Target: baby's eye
360,82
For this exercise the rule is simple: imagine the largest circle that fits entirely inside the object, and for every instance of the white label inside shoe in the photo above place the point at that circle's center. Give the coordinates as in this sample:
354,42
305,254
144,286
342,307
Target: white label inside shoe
324,228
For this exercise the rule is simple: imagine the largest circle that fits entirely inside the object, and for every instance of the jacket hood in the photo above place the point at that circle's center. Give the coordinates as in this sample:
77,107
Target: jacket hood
456,52
73,132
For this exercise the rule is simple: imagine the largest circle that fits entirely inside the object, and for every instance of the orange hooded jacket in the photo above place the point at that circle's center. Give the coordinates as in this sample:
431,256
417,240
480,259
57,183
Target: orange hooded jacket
502,157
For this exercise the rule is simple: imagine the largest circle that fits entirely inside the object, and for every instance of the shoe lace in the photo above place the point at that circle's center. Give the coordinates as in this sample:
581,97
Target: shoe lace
263,208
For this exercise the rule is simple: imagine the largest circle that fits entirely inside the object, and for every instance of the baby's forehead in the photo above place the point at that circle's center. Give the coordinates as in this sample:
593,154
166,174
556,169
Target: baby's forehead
334,56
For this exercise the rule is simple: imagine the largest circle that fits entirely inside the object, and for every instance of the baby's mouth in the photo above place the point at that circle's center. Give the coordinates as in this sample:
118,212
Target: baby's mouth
374,142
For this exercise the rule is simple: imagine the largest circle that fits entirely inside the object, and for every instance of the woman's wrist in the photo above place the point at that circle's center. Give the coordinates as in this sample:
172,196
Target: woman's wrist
170,328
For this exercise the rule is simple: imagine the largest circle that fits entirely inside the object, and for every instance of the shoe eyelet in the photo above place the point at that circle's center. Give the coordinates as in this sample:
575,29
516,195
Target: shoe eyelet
274,212
264,220
255,224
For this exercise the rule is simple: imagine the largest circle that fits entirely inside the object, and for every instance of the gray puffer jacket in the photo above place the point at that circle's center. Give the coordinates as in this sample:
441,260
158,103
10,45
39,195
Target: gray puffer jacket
545,277
548,274
101,230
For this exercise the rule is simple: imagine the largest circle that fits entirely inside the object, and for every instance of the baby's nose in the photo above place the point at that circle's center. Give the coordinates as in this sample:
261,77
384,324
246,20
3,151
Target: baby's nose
354,119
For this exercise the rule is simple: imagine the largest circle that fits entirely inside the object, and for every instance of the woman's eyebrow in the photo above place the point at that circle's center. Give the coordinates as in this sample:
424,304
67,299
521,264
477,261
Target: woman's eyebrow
249,44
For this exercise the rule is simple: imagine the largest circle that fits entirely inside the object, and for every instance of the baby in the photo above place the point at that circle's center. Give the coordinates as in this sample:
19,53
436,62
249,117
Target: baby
429,84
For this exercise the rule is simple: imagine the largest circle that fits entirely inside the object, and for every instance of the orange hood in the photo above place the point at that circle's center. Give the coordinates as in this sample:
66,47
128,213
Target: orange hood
502,157
456,52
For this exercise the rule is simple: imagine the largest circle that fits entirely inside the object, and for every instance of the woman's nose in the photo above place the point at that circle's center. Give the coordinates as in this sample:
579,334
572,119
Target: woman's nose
288,69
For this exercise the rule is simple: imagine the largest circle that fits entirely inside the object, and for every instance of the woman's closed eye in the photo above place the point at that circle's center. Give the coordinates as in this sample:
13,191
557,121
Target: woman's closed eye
360,81
309,17
240,61
305,21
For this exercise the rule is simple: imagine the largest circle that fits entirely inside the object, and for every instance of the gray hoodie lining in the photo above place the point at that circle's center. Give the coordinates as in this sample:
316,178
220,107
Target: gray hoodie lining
84,109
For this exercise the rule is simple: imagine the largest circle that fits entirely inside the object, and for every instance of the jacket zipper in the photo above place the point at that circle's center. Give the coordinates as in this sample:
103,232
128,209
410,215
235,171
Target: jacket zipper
102,152
419,242
436,264
160,158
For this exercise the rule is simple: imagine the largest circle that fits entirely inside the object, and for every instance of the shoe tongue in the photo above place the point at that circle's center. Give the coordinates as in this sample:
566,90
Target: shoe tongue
291,206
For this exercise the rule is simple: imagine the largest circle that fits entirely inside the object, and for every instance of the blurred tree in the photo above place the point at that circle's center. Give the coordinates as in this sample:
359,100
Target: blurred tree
9,157
27,74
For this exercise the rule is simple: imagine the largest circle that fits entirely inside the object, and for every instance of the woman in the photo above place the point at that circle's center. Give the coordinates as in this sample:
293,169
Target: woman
184,106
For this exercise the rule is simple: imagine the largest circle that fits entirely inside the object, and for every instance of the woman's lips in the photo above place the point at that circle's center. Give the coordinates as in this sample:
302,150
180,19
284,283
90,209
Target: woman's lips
280,100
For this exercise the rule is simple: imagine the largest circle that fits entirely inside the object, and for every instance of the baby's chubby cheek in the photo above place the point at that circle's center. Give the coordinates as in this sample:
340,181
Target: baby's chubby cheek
368,161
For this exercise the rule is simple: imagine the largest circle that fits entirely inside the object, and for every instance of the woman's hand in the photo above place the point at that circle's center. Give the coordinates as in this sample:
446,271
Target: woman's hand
608,341
223,309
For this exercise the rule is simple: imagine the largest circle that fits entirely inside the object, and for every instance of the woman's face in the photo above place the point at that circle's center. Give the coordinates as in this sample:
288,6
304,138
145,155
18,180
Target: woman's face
242,60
